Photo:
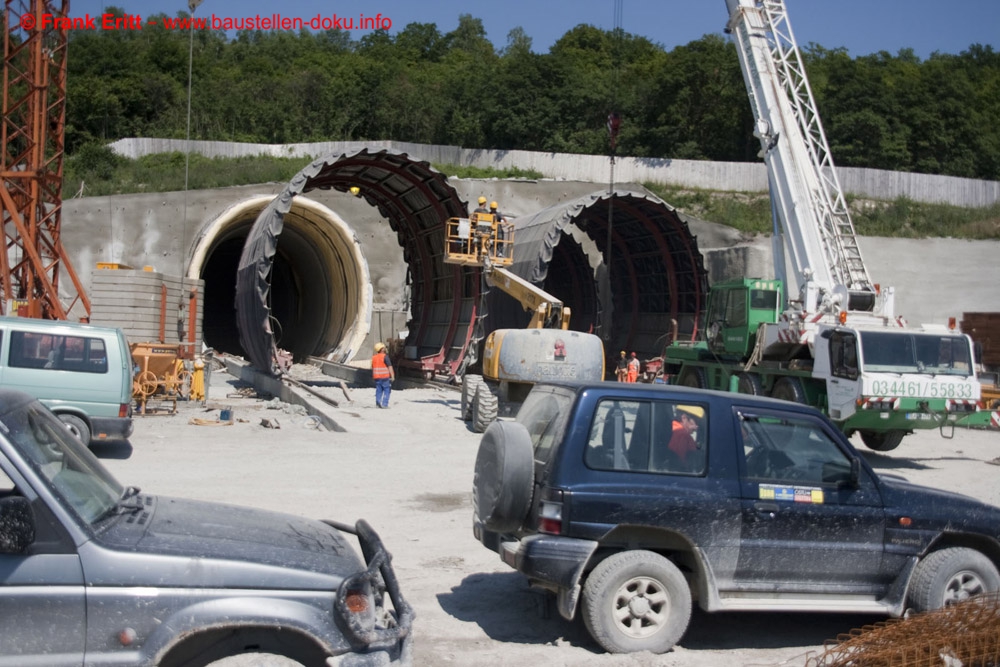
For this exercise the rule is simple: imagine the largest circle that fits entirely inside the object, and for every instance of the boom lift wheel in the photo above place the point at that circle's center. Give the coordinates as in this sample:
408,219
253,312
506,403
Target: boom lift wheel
484,408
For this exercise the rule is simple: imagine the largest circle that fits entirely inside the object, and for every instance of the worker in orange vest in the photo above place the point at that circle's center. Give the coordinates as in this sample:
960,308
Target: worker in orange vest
633,368
383,375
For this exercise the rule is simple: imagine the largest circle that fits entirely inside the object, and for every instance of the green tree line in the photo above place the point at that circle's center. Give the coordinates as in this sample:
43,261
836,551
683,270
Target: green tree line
940,115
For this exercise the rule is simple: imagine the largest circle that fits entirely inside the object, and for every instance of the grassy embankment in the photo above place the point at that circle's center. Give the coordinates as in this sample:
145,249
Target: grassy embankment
103,173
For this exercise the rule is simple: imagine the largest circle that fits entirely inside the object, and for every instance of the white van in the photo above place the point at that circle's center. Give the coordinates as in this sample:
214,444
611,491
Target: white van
82,373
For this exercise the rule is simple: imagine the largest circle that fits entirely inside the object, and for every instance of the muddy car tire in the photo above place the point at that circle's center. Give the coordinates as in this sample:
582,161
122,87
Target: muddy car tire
77,427
502,484
469,385
882,441
951,575
484,408
636,601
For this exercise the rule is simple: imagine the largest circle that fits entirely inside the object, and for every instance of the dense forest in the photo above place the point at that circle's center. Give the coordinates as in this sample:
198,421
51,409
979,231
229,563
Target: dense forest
939,116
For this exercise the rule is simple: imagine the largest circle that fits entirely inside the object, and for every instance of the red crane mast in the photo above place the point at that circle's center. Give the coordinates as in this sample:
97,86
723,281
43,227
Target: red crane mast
32,141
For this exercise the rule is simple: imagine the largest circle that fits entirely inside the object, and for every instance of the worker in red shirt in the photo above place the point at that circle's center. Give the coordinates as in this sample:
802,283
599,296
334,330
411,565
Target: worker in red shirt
383,375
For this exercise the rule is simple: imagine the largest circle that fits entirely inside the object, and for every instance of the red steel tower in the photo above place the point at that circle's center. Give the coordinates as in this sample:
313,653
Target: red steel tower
34,118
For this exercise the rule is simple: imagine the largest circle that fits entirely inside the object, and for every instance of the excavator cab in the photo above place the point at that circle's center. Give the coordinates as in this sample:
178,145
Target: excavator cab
478,239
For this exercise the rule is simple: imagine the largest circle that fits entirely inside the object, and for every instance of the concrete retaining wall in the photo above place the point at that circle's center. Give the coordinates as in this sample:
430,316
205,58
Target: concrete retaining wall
726,176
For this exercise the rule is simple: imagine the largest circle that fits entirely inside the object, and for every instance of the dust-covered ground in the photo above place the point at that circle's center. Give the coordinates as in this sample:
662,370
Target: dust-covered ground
408,471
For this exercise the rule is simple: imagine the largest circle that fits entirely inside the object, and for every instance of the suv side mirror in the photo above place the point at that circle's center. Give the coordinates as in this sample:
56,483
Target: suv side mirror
17,525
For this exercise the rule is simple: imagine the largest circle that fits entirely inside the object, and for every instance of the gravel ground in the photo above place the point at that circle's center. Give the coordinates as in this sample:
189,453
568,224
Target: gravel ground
408,471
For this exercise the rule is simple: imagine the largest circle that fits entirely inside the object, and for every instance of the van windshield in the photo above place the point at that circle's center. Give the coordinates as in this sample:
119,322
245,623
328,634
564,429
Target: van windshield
72,471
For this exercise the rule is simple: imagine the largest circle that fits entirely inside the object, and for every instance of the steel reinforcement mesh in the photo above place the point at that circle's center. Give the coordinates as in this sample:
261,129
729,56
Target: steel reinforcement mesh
965,634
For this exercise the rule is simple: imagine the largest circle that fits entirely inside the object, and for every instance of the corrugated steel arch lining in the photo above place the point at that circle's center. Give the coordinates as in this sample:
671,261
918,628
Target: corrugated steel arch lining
415,199
657,272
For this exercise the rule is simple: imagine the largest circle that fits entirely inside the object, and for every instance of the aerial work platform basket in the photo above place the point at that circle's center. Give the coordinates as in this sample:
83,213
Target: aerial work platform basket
481,237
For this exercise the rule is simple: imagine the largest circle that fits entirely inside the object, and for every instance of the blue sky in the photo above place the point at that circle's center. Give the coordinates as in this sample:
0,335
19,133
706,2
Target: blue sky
861,26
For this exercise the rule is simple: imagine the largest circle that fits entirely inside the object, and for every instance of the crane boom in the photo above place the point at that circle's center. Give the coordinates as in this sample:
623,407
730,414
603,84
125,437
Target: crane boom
809,205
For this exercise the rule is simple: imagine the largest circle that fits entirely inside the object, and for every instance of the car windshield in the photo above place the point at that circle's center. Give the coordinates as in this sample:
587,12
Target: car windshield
73,472
933,354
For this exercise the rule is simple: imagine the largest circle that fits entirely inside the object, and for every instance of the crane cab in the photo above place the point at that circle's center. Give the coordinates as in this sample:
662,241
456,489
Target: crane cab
478,239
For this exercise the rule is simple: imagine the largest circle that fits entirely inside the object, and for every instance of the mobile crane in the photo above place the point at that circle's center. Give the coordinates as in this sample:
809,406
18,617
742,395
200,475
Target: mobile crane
833,340
515,359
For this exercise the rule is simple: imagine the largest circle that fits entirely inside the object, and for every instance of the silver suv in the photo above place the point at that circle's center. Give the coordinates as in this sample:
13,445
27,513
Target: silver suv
95,573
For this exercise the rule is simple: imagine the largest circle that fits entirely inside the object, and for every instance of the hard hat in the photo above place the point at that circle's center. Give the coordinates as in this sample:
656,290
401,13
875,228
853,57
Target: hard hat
633,354
379,347
482,201
356,191
623,353
493,205
693,410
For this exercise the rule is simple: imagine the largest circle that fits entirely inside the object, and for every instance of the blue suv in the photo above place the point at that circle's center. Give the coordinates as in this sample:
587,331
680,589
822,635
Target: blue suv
631,503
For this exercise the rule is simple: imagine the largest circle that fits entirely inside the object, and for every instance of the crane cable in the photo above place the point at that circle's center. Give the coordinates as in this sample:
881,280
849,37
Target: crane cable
614,122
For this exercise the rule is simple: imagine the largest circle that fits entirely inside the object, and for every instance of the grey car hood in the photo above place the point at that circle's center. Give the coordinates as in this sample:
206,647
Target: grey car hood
215,531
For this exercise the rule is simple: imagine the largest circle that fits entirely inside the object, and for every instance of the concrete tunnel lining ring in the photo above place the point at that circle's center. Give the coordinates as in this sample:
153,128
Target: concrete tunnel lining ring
328,271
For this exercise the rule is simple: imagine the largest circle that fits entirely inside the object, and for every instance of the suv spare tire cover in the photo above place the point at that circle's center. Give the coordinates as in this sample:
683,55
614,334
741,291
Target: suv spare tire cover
501,493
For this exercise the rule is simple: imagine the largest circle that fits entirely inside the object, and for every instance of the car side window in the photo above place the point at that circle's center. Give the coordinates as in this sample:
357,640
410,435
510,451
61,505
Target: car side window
648,436
791,449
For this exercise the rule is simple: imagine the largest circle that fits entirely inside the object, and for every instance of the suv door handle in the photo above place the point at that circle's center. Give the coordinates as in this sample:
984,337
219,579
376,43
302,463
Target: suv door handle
766,508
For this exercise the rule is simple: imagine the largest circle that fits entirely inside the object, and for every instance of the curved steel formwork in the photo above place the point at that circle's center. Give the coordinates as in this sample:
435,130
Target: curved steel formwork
656,271
415,199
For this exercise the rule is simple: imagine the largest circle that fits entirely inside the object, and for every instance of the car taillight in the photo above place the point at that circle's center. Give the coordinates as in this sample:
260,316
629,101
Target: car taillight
550,512
123,410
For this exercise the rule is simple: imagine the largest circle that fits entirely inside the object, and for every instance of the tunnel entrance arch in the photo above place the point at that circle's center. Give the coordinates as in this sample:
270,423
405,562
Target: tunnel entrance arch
320,289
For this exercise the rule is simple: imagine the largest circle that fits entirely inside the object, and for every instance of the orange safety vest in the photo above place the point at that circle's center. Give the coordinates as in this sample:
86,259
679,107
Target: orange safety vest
379,368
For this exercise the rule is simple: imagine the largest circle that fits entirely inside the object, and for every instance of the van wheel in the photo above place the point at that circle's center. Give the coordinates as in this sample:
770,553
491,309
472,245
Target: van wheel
636,601
951,575
504,476
77,427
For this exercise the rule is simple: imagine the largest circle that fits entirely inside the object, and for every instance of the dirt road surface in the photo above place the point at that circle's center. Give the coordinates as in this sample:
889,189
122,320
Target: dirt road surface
408,471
